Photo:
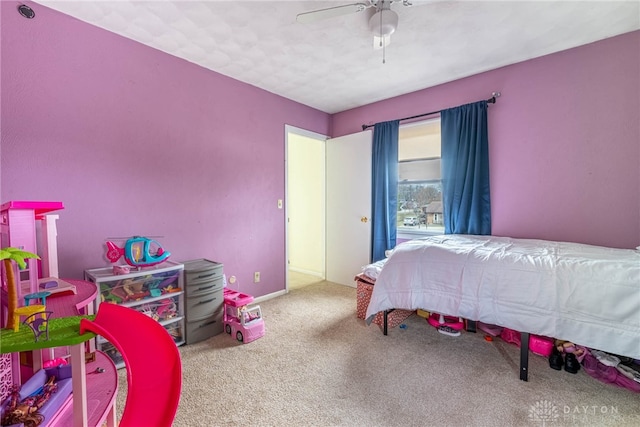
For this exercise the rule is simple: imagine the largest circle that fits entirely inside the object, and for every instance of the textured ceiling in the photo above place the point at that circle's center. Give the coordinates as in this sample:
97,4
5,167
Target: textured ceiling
331,64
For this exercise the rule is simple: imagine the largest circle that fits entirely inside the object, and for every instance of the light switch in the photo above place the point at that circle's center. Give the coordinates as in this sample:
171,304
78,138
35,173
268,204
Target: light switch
279,203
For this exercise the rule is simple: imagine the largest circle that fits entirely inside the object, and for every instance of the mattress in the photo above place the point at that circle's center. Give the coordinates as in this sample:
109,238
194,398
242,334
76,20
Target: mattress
586,294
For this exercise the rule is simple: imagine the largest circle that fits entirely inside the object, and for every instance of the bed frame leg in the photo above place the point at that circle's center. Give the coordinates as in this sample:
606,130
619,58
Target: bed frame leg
385,322
471,326
524,356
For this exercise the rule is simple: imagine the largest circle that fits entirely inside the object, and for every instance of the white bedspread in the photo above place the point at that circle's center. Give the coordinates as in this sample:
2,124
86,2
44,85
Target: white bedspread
589,295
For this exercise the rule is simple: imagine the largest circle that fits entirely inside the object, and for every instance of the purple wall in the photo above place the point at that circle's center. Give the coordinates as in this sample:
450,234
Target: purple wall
136,142
564,141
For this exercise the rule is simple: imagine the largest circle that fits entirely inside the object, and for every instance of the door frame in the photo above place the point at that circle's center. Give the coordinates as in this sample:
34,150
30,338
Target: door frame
308,134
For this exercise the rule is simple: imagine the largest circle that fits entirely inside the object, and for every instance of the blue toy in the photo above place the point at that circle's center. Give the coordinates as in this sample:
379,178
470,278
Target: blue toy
138,252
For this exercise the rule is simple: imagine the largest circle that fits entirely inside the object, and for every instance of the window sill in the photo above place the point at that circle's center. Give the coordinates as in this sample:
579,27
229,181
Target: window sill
406,233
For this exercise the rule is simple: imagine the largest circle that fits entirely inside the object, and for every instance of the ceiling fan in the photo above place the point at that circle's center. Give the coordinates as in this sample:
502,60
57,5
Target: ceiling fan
381,24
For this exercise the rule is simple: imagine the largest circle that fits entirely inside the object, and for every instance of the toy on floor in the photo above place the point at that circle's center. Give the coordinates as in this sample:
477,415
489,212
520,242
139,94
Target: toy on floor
447,325
240,319
569,347
138,251
568,354
611,368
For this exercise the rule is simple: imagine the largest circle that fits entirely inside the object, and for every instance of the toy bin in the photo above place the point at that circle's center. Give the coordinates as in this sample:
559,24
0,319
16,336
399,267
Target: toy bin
363,296
175,330
364,289
156,291
160,310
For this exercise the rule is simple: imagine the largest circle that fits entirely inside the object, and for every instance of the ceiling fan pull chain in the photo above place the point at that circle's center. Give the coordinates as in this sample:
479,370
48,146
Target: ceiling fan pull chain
382,40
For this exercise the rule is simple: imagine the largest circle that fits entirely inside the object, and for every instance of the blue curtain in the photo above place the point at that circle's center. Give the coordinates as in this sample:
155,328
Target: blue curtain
465,169
384,197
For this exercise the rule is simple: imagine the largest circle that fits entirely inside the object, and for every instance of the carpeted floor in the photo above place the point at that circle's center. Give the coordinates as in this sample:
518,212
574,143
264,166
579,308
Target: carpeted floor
318,365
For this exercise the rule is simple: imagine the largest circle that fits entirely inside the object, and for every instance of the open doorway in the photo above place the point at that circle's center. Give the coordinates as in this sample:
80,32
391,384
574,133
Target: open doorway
305,207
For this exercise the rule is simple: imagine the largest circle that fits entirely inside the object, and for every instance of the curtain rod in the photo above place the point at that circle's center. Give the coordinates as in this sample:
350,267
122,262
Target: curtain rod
491,100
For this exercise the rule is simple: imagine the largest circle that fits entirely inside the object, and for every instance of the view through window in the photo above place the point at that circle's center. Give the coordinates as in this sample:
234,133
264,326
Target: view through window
419,180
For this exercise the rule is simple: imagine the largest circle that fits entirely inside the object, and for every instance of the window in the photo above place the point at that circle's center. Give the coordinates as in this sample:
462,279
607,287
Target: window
419,179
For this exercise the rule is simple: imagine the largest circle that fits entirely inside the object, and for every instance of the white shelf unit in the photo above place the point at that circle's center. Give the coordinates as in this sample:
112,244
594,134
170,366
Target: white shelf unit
157,291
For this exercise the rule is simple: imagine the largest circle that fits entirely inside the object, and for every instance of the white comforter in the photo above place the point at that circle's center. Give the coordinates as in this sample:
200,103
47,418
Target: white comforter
589,295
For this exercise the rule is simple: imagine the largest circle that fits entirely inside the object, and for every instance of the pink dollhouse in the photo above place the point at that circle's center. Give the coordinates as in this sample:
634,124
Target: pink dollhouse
31,226
20,224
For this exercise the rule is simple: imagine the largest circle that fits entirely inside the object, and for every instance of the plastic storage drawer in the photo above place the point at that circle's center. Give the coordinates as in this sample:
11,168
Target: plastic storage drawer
205,328
204,299
203,305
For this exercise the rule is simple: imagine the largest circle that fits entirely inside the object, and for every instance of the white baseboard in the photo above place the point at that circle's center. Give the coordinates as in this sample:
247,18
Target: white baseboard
307,272
269,296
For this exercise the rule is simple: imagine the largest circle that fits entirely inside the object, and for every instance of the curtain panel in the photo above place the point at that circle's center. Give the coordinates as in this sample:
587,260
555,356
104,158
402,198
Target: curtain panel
384,197
465,169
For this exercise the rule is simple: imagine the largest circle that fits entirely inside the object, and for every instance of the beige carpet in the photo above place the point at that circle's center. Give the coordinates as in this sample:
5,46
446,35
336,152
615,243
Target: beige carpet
318,365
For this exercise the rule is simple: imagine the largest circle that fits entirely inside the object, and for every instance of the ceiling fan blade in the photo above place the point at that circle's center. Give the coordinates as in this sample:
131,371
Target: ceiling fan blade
330,12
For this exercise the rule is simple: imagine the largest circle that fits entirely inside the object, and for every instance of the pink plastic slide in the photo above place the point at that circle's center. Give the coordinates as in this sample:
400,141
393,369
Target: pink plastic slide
154,368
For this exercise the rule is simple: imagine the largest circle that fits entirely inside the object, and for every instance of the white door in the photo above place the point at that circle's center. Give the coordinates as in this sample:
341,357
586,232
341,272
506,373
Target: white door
348,202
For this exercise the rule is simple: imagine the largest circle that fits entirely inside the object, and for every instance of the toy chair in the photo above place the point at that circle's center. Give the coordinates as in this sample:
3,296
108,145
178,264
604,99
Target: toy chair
152,360
39,324
27,310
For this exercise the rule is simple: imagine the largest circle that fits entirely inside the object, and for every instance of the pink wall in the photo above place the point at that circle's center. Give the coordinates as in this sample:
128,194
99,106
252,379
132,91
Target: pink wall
564,141
136,142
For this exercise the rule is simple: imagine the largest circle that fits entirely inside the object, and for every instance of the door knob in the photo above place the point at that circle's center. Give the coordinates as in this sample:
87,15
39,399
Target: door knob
364,219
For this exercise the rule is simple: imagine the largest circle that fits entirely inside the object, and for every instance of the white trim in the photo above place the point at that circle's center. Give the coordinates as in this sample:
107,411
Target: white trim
410,235
303,132
272,295
288,129
420,122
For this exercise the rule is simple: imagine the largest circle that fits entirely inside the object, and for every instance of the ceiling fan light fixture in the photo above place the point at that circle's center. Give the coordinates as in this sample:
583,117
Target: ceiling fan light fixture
383,23
380,42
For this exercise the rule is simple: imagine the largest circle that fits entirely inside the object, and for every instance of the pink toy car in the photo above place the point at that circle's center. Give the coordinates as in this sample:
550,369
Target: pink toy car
240,320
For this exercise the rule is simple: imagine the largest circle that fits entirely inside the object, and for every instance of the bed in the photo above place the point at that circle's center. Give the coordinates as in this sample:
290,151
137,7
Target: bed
589,295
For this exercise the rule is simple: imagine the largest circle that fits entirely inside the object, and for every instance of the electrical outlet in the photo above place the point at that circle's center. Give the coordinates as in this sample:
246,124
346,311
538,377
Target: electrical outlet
256,277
